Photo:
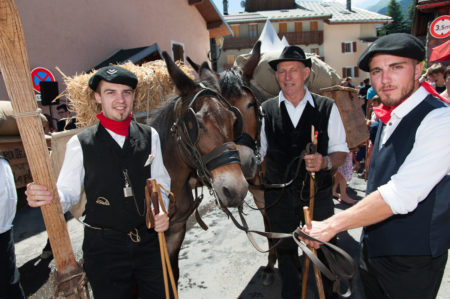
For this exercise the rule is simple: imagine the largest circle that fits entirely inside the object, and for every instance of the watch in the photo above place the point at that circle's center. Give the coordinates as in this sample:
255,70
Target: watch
329,164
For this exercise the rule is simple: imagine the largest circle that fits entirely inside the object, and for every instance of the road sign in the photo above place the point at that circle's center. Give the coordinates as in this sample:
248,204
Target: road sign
40,74
440,27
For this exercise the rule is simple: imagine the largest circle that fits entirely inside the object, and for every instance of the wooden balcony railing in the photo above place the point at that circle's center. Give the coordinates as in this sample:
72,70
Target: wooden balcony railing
293,38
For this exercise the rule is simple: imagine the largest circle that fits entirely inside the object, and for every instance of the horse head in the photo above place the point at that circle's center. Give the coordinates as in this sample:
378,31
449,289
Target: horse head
205,128
236,87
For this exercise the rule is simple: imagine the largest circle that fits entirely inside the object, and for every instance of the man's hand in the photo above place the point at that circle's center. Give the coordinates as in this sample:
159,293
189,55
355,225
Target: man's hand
161,221
315,162
320,230
38,195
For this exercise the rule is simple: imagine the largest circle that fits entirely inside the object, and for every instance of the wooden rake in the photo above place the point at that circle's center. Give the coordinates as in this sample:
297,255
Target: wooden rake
153,193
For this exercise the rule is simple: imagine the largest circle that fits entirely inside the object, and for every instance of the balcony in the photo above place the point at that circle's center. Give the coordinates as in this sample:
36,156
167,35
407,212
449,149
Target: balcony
293,38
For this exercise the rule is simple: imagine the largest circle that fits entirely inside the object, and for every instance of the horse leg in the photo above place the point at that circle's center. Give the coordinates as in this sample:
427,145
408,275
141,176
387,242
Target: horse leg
268,275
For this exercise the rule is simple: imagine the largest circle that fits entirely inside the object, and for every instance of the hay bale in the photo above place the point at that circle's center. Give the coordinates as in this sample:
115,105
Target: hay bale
153,89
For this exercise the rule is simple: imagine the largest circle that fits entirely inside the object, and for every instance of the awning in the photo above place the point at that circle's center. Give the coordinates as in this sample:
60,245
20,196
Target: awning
135,55
441,52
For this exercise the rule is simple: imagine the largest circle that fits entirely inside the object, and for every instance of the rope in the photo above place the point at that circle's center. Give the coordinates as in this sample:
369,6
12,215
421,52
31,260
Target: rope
27,114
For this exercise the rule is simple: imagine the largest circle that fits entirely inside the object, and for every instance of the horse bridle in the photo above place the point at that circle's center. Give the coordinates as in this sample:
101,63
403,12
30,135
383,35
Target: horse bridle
186,131
247,140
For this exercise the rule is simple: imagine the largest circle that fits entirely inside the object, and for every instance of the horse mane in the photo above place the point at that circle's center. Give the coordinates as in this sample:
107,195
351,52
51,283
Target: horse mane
232,83
163,117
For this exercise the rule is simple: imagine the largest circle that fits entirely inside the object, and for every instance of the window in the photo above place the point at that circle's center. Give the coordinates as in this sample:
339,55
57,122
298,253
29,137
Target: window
313,26
236,30
350,71
348,47
315,51
282,28
253,31
298,26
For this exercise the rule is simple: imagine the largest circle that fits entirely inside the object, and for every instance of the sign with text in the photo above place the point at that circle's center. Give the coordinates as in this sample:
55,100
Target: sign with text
440,27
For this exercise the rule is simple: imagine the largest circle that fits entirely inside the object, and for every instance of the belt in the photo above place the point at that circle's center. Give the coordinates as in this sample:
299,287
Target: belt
133,234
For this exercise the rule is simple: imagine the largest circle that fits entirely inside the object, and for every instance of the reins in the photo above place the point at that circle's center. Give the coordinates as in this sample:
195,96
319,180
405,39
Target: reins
341,266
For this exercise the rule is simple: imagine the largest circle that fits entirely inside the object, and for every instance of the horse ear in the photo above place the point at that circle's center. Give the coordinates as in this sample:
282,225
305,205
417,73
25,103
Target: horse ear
252,63
185,85
195,66
209,76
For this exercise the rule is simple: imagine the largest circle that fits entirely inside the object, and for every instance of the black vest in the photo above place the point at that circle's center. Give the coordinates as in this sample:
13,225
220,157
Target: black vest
426,230
104,163
286,142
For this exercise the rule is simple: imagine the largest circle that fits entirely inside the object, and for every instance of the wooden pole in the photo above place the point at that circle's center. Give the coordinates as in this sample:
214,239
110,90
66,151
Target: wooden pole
308,212
15,69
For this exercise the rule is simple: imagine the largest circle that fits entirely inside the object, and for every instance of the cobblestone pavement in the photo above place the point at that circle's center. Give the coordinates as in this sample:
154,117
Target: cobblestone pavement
217,263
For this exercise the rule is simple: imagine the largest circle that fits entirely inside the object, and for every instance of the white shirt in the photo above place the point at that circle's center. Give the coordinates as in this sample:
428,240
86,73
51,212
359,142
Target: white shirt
8,197
427,163
336,130
71,176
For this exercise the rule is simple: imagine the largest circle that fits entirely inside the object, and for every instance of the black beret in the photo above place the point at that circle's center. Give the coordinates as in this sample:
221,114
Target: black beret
113,74
398,44
291,53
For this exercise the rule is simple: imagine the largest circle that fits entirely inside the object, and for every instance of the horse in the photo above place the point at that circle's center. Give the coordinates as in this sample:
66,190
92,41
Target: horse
197,130
237,88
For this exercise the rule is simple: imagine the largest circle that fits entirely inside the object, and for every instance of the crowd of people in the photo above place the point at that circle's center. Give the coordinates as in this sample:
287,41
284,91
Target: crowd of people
405,215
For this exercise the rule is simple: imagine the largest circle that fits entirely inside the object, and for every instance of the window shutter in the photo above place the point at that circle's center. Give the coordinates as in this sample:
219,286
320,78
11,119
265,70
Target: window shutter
343,47
344,73
356,71
354,46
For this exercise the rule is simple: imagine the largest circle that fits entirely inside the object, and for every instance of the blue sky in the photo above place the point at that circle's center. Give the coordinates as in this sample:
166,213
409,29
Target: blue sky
235,5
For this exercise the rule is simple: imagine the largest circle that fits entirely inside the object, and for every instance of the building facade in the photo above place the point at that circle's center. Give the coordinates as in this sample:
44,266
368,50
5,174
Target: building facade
337,33
76,36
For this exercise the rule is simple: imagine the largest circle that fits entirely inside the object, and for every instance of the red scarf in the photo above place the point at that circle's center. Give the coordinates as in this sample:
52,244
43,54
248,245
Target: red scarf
118,127
383,112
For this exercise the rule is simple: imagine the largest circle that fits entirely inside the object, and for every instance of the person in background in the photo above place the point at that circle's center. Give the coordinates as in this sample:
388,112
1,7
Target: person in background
65,122
342,176
446,92
435,74
10,287
362,94
349,82
406,211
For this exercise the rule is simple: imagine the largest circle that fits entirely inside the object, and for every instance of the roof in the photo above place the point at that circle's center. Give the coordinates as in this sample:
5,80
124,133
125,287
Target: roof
340,14
333,12
215,23
135,55
275,15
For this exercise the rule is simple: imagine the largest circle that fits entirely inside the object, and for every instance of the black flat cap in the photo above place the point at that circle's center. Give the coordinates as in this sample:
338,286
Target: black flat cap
398,44
113,74
291,53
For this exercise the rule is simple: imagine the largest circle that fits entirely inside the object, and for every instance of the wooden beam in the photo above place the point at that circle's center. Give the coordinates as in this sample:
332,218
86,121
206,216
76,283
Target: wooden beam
15,69
195,2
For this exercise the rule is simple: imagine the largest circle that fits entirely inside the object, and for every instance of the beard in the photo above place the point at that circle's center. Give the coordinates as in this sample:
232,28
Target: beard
405,92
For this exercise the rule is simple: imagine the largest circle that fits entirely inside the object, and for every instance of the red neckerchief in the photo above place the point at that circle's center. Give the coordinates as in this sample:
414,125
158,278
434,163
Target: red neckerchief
383,112
118,127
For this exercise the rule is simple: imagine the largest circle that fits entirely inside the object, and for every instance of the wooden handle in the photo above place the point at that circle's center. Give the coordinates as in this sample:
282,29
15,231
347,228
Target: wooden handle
148,212
155,197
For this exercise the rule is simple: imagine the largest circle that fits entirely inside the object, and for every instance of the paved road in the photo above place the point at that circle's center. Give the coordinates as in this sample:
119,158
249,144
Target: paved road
218,263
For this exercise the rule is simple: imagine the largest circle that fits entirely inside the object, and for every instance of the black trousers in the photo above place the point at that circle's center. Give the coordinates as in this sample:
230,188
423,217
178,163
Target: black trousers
392,277
10,287
285,216
114,263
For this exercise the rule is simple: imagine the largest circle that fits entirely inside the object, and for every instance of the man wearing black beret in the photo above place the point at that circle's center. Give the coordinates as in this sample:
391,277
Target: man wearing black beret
112,160
406,213
285,133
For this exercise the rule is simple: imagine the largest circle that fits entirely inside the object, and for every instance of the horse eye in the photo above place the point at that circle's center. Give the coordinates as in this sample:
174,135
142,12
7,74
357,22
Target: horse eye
201,125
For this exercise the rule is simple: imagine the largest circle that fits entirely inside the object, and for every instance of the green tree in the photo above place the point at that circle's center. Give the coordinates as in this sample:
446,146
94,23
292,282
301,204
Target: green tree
410,16
398,21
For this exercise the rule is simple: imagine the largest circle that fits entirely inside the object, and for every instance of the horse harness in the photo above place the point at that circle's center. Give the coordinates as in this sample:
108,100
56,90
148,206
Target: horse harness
186,130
